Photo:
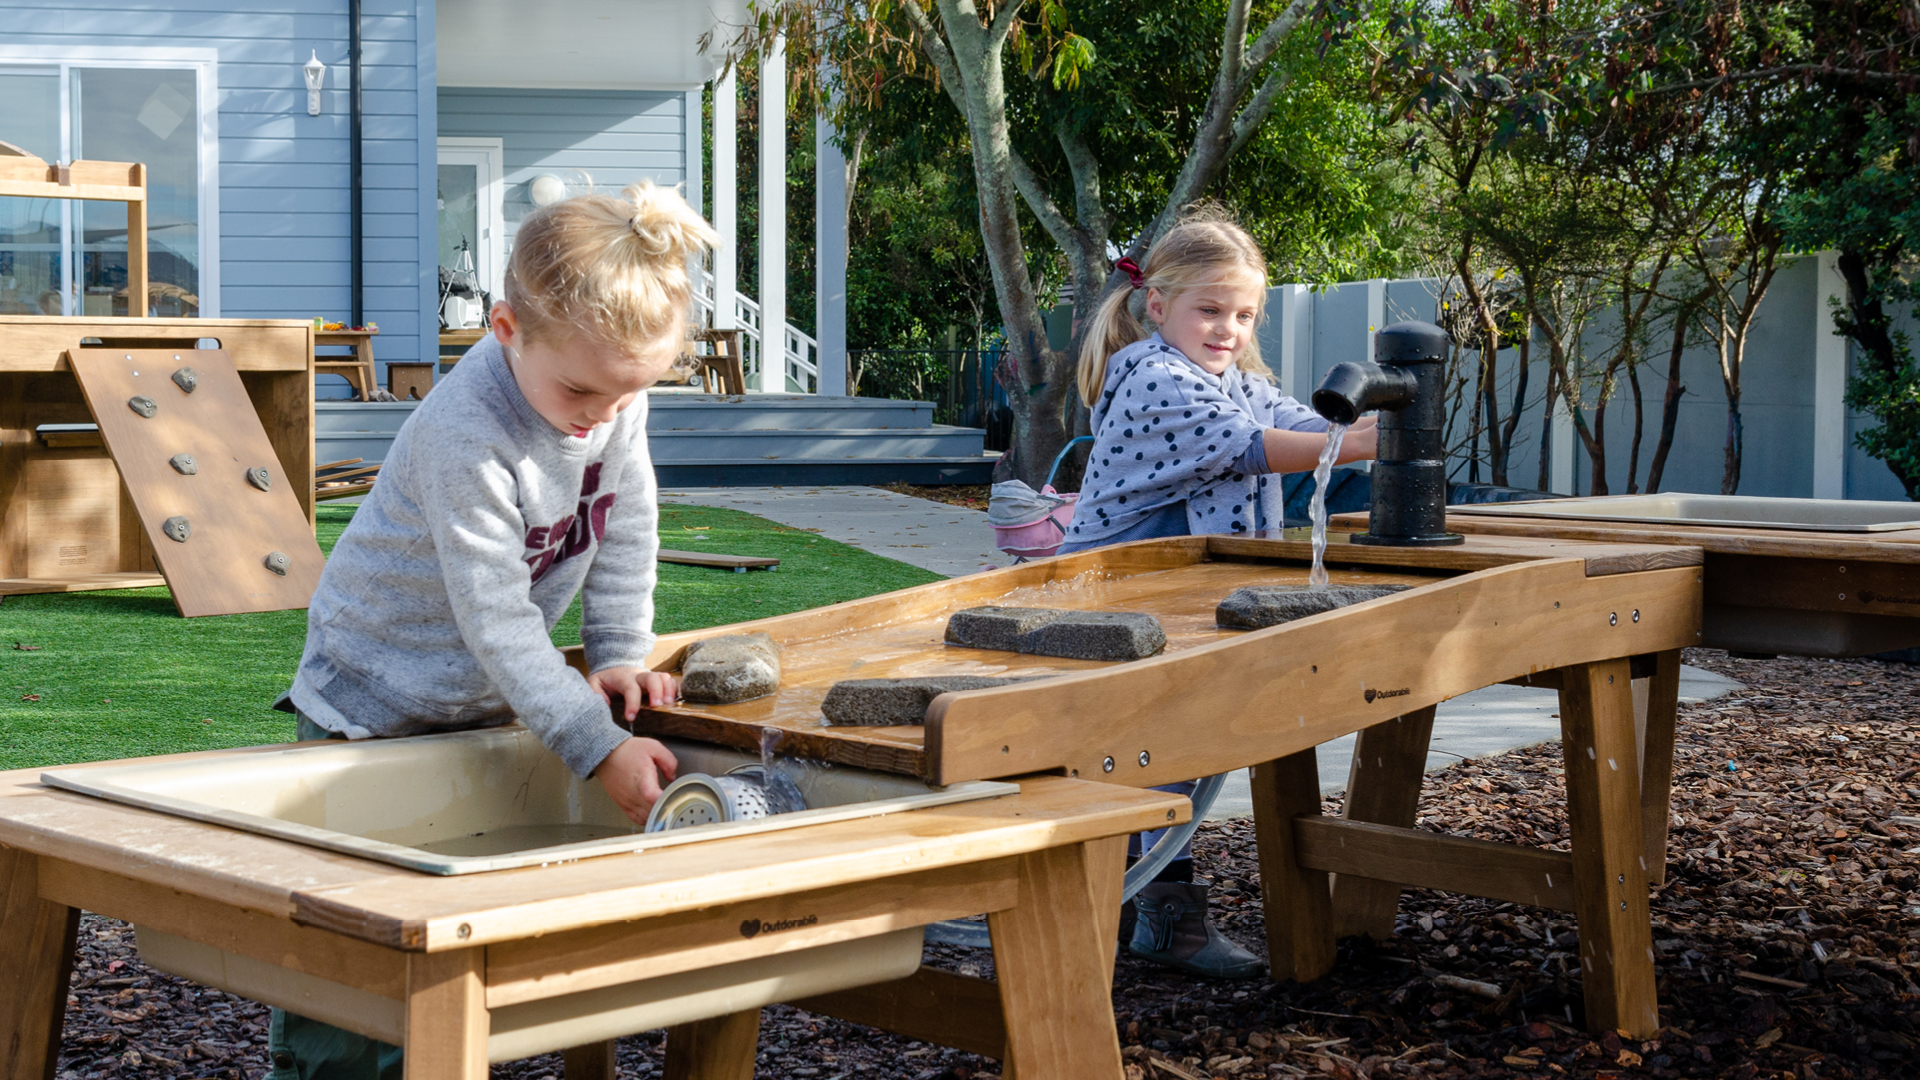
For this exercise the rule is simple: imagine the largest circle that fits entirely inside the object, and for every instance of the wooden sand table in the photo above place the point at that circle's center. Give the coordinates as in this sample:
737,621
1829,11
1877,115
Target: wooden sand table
1589,619
460,952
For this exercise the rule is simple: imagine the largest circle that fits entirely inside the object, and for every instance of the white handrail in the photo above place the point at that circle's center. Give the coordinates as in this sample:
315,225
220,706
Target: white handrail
802,352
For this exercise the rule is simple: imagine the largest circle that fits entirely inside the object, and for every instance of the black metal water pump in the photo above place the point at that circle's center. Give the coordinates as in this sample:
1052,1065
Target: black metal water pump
1410,478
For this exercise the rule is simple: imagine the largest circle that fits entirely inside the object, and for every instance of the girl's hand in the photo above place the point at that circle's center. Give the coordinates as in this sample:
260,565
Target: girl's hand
1361,443
634,773
633,684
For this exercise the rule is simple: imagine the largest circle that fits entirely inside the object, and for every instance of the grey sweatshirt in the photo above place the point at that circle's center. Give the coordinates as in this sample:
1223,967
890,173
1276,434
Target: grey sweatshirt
434,611
1166,432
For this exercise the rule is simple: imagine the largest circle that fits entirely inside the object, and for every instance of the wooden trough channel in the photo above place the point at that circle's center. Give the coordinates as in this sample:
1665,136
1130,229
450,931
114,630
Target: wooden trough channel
460,954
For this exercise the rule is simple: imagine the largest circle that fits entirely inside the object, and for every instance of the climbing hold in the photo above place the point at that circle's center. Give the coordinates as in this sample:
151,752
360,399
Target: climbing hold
278,562
184,464
260,478
177,529
186,379
143,405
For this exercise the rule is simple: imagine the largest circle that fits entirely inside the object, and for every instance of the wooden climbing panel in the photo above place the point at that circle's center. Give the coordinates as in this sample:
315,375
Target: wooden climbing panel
220,536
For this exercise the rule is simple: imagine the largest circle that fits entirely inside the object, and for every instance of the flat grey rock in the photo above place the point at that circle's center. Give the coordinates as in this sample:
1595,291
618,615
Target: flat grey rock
143,405
177,528
1259,606
184,464
999,628
1076,635
186,379
1097,635
895,702
278,562
732,667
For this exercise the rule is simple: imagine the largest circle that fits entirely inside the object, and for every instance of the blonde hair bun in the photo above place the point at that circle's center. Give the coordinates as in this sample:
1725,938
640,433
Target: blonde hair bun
613,267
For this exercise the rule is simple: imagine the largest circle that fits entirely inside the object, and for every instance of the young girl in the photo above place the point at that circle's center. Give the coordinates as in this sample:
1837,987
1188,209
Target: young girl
1188,432
521,481
1188,428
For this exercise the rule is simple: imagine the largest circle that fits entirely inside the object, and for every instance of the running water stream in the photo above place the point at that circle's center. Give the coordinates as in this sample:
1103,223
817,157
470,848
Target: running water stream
1317,510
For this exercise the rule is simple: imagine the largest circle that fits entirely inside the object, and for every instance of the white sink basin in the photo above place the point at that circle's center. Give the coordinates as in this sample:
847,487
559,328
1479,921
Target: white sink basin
469,801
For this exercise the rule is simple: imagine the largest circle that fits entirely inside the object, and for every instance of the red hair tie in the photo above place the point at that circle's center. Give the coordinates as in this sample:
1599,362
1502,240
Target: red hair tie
1137,279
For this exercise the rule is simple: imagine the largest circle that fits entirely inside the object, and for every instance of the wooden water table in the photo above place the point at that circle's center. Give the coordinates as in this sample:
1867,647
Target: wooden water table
567,955
1603,623
1809,577
461,968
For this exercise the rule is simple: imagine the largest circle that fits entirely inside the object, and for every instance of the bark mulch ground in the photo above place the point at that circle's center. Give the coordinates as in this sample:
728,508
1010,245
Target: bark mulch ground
971,496
1785,936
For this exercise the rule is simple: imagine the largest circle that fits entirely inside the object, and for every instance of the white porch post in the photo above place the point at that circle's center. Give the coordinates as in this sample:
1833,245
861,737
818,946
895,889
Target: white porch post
773,218
830,264
1829,385
726,257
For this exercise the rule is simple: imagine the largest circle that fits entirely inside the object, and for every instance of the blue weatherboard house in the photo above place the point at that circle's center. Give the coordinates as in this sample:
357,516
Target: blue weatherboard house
342,159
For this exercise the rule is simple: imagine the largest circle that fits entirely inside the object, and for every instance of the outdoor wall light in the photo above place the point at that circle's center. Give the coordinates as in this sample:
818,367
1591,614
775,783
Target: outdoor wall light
547,189
316,73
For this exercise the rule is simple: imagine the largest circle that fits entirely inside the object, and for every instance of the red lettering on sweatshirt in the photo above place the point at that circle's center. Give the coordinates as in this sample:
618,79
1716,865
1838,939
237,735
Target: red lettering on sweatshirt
551,545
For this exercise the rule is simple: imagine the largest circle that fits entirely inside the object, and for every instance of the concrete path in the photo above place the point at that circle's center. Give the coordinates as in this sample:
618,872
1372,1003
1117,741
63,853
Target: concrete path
953,540
949,540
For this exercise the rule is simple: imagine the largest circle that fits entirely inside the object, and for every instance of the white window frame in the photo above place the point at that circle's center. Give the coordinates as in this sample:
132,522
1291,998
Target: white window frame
489,156
205,64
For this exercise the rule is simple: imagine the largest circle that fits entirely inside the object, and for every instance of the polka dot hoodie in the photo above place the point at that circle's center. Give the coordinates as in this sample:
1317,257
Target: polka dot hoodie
1166,431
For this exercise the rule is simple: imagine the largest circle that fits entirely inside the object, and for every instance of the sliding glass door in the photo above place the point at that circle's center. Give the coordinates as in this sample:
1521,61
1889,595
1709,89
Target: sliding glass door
67,257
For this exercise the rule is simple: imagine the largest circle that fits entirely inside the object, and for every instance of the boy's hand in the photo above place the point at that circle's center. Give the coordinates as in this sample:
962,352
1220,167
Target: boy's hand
1361,443
633,684
634,773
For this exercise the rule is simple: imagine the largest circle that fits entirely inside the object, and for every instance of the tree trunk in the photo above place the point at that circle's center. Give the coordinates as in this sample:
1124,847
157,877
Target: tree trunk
1513,413
1670,404
1730,471
1639,426
1546,430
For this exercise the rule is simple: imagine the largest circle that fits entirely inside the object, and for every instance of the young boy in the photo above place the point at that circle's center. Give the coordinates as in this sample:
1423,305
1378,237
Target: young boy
521,481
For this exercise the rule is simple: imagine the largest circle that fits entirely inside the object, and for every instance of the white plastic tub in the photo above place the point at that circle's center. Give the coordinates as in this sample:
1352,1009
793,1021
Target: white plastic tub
469,801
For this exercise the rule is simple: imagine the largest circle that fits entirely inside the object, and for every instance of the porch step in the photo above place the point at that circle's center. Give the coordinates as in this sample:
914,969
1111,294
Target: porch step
675,411
760,444
794,472
714,440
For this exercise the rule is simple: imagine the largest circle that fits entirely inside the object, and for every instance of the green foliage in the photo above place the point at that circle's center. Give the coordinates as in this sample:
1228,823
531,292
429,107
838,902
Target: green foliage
1891,394
120,674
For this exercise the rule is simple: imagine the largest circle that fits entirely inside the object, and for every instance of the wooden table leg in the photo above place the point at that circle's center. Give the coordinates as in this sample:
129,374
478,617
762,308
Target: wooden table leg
1106,878
36,957
1383,787
1298,909
447,1023
1656,760
1054,954
1609,848
718,1049
594,1061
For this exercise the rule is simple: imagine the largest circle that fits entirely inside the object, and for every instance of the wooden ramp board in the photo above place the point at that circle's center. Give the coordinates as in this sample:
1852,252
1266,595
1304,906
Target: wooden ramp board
221,568
738,563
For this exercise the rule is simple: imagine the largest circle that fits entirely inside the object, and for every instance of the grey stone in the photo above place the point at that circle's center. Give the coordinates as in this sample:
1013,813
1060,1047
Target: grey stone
997,627
732,667
186,379
895,702
145,406
1097,635
184,464
1077,635
259,477
1259,606
177,529
278,562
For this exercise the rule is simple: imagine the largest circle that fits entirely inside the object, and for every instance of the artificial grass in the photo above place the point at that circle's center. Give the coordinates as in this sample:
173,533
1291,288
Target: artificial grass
100,675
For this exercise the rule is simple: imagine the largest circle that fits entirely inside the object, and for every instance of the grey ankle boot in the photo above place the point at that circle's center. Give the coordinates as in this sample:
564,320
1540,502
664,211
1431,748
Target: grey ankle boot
1171,929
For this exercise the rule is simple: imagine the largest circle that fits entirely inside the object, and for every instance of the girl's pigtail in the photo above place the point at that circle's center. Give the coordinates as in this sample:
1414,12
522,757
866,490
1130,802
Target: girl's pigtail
1114,328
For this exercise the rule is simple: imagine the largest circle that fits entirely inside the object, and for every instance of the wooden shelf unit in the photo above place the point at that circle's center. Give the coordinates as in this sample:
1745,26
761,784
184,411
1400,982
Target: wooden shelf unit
66,521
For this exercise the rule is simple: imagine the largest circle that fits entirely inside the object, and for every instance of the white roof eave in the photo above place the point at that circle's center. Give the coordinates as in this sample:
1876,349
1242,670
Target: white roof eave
582,44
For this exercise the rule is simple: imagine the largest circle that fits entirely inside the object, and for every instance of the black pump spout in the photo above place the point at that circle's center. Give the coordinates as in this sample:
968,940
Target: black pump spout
1406,383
